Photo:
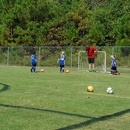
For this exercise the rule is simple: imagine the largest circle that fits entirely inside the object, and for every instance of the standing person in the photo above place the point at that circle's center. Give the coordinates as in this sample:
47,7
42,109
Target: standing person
61,60
33,61
91,53
114,65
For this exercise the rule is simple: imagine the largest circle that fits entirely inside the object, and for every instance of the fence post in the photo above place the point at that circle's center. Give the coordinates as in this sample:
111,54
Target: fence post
71,57
112,50
39,52
8,57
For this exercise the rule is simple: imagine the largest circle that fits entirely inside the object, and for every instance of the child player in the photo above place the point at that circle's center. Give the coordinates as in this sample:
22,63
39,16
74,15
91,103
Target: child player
33,62
61,61
114,70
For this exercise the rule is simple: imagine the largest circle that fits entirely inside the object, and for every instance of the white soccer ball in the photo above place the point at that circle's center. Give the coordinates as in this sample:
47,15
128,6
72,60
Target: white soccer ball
110,90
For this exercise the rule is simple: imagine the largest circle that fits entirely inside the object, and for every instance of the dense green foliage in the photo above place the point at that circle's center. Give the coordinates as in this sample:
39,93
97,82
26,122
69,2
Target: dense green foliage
64,22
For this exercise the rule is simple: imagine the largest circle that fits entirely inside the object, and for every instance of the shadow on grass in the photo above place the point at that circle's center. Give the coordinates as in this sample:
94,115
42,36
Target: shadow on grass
74,126
5,87
45,110
93,120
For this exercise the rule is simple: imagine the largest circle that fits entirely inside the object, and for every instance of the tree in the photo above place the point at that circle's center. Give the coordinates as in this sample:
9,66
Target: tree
64,22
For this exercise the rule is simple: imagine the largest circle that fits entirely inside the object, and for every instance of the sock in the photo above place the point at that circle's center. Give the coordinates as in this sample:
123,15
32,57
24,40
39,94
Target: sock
34,69
60,69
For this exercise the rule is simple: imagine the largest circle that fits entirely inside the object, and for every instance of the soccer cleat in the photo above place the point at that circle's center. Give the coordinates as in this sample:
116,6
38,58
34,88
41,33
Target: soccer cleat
94,70
31,70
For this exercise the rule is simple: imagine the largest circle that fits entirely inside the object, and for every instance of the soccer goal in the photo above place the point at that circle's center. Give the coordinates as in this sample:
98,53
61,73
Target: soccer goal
100,61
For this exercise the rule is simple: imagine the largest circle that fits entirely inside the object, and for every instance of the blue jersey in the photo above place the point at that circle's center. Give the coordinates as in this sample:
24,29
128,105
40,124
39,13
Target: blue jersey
113,63
62,59
33,59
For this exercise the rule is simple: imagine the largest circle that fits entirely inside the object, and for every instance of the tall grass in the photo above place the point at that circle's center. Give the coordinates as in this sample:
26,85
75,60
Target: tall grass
56,101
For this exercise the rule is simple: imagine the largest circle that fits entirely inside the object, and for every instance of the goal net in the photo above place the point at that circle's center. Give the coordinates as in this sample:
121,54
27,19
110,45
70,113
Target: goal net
100,61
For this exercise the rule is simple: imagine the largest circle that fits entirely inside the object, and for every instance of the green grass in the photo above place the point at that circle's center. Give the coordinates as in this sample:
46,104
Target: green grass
55,101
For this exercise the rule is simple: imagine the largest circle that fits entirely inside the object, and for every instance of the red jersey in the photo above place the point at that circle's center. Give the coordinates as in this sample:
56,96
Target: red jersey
90,51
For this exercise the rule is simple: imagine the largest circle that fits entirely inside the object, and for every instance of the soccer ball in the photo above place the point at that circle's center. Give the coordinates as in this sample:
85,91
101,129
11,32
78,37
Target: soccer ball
90,89
42,70
109,90
67,71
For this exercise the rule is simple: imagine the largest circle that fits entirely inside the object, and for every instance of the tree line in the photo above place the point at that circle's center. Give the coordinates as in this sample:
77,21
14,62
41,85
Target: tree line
64,22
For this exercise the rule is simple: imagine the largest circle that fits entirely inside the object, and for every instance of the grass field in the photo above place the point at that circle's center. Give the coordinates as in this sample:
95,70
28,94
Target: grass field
55,101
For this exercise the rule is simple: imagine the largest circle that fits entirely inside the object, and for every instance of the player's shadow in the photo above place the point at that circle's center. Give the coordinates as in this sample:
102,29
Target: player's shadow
4,87
74,126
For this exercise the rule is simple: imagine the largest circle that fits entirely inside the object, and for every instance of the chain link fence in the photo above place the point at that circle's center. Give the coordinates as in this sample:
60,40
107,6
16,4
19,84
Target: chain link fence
48,55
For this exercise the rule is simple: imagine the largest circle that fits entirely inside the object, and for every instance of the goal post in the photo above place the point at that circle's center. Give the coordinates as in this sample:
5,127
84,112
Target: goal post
100,61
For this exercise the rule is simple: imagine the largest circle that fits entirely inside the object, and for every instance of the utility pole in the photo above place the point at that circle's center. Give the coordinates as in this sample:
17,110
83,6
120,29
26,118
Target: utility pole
92,3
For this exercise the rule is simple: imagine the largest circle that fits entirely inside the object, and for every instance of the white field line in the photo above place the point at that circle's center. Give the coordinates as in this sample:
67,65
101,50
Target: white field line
108,95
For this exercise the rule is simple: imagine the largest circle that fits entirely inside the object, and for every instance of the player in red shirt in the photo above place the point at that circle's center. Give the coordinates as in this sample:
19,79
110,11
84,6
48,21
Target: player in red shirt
91,53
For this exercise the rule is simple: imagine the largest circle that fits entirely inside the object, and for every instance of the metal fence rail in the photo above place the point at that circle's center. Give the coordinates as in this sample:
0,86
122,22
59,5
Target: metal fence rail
48,55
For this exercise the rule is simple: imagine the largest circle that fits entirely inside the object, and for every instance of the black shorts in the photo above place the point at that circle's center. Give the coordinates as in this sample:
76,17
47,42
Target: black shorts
62,66
113,68
91,60
34,64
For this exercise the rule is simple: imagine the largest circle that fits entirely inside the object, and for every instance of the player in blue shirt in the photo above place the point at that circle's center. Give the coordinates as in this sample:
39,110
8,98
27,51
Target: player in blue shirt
33,62
61,60
114,65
